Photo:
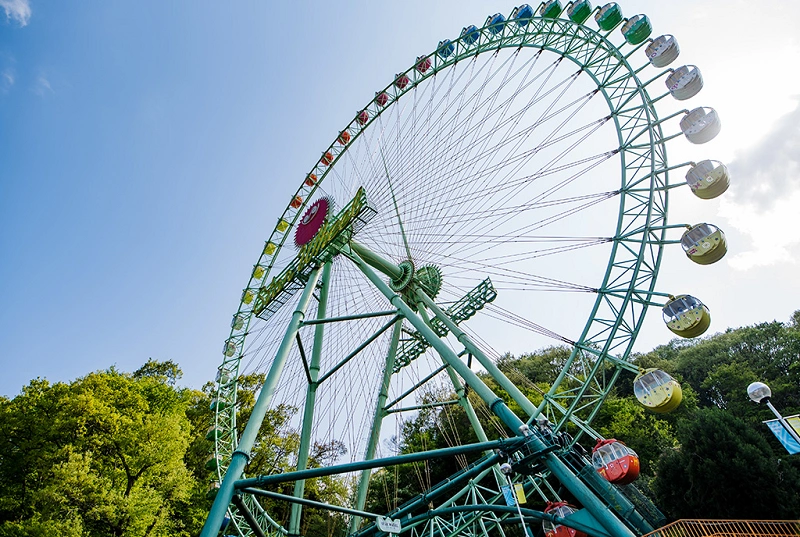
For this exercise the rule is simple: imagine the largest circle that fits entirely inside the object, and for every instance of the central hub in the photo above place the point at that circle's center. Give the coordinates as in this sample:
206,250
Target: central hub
312,221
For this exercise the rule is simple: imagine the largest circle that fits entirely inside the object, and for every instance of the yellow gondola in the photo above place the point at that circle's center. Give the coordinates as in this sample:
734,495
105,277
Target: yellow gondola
708,179
686,316
658,391
704,244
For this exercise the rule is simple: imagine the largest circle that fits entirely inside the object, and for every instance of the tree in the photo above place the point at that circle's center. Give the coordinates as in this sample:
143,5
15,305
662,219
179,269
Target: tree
724,468
102,455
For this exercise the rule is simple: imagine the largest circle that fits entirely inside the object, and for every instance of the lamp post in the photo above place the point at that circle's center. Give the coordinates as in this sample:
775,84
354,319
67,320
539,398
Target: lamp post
760,393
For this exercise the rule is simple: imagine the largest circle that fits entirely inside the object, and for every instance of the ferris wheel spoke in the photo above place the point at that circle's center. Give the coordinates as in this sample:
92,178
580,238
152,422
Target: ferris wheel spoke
555,188
488,152
422,148
544,222
520,161
470,132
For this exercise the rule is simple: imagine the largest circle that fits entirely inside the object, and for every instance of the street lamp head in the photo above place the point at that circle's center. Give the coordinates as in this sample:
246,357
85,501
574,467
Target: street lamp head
758,392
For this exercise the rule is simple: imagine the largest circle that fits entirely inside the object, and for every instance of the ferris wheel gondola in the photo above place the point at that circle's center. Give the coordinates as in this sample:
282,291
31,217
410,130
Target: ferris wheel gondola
615,461
704,244
657,390
686,316
553,529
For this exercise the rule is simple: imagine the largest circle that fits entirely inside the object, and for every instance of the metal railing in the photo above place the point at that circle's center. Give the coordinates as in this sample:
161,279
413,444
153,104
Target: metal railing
728,528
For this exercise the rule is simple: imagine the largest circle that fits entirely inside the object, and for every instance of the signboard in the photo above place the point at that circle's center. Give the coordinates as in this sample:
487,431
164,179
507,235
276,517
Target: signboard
508,495
388,525
514,496
785,438
520,490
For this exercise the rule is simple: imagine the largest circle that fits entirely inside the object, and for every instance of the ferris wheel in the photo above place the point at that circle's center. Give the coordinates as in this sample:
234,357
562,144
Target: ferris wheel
508,191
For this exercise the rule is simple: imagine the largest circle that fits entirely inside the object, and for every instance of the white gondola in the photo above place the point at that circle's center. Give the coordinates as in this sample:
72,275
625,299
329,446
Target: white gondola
685,82
701,125
229,349
223,376
704,244
686,316
708,179
662,51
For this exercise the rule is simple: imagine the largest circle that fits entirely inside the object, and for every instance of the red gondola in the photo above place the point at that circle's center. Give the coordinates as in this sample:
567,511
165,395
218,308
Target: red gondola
615,461
401,81
559,509
423,64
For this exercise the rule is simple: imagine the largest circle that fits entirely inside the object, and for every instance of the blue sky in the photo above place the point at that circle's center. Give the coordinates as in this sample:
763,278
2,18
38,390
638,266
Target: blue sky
147,148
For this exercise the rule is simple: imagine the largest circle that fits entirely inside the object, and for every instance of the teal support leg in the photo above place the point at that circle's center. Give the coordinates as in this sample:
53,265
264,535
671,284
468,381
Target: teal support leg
377,420
504,382
598,510
311,396
472,417
242,454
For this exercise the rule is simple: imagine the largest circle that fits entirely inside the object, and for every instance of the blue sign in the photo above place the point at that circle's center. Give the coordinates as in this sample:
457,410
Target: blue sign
783,435
508,494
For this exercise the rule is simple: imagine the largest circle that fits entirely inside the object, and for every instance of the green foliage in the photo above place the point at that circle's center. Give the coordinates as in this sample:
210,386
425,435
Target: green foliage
644,432
431,428
725,468
102,455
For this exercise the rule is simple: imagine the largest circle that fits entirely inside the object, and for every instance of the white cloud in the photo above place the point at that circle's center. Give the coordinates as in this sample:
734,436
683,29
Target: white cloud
764,196
774,234
41,86
7,80
17,10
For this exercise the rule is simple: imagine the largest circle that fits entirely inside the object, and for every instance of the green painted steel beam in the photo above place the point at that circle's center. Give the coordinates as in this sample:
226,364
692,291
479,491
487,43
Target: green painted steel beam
472,473
350,317
422,407
377,422
248,516
311,396
504,382
310,503
416,386
241,456
358,349
507,445
584,522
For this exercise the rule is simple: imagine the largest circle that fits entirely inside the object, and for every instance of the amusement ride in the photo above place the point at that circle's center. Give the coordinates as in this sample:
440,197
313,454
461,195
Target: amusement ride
509,190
